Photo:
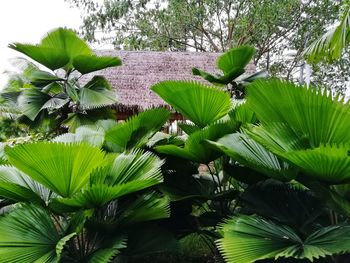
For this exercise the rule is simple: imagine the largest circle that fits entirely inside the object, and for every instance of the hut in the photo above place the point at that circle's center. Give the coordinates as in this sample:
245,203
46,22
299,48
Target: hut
142,69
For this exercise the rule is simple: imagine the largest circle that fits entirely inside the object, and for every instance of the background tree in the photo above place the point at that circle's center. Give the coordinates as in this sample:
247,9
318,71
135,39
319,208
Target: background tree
274,27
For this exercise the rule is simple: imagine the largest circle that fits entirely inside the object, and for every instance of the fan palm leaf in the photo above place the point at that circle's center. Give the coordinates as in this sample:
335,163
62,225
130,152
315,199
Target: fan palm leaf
313,113
199,103
127,174
96,93
246,151
28,234
32,101
249,238
195,148
331,45
63,168
89,63
231,63
137,130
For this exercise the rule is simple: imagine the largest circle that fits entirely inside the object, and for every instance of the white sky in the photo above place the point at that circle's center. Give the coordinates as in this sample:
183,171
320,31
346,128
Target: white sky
28,21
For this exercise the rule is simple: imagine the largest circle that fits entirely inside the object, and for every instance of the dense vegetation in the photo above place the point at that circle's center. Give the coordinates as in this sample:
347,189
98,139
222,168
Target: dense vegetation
260,173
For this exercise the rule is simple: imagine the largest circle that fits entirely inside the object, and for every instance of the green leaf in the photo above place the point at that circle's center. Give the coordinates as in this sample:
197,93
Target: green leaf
249,238
137,130
52,58
63,168
31,102
104,255
9,175
235,58
199,103
28,235
89,63
195,148
331,45
221,80
93,136
285,203
56,50
242,113
56,102
327,163
40,78
144,208
249,153
96,93
129,173
291,113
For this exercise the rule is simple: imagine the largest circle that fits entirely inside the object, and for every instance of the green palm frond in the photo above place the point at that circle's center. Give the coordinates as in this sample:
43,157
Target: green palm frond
247,239
231,63
17,186
31,102
137,130
50,57
136,165
104,255
89,63
92,135
128,174
249,153
40,78
331,45
96,93
242,113
199,103
63,168
195,148
328,163
313,115
144,208
28,235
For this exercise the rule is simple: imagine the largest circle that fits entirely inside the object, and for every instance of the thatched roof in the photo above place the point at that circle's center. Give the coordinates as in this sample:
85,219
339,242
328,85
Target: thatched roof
142,69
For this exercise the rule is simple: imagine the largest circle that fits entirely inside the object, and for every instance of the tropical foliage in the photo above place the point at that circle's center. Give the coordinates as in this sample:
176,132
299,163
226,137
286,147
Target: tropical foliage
262,175
49,93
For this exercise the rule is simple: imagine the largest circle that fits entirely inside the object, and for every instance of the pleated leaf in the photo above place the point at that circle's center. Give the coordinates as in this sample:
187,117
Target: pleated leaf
235,57
311,113
89,63
199,103
249,238
195,148
96,93
331,45
137,130
52,58
246,151
129,173
28,235
31,102
327,163
28,189
63,168
93,136
105,255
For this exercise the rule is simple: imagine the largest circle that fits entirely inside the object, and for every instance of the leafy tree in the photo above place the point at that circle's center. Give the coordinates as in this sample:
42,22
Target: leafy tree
273,27
50,92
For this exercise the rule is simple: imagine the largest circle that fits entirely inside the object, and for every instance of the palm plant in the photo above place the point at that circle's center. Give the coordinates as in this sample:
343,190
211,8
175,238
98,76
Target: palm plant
331,45
302,135
51,91
74,203
232,64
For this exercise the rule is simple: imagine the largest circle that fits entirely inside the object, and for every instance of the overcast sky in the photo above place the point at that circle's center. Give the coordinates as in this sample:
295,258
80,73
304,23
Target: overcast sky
28,20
